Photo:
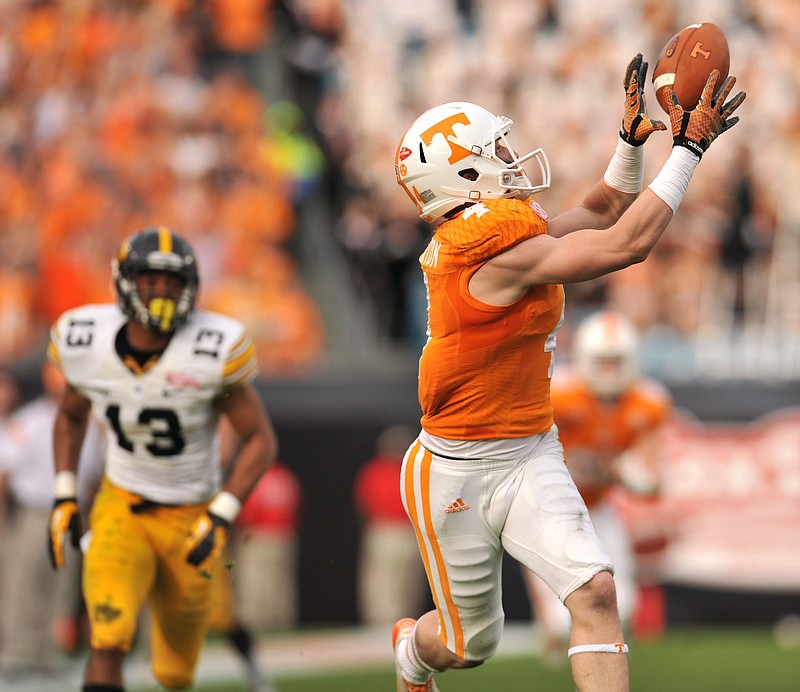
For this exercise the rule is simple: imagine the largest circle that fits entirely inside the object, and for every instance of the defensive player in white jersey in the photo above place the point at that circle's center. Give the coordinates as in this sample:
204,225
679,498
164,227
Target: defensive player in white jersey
158,374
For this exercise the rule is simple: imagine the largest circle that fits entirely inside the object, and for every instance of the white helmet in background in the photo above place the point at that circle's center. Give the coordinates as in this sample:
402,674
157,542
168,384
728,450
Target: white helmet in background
606,353
458,153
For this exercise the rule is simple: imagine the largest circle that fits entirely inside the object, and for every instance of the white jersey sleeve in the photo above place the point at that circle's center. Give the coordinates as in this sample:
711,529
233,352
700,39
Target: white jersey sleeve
161,424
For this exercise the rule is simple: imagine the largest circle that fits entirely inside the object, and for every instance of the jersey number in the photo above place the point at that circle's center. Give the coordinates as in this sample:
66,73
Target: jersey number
550,343
165,430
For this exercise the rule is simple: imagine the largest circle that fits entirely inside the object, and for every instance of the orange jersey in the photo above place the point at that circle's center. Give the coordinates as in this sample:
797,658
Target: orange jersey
485,369
595,431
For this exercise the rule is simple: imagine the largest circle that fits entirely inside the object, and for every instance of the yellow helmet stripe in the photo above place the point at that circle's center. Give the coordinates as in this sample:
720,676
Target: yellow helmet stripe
53,354
164,239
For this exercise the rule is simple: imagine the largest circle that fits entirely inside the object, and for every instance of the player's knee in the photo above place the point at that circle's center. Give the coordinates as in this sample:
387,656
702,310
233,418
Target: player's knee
598,595
482,645
173,679
115,636
464,663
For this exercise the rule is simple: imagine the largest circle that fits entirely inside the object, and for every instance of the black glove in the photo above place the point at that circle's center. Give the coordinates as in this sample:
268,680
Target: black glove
636,124
65,517
696,129
207,539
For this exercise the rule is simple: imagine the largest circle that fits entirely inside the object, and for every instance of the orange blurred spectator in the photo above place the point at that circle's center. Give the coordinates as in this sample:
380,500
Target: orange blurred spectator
261,288
256,210
39,29
18,290
233,103
242,26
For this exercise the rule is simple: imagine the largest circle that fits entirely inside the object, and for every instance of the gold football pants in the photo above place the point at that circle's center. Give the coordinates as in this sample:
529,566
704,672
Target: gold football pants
135,557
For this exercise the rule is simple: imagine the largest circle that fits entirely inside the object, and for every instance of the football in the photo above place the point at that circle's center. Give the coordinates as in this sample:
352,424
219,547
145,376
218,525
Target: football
687,60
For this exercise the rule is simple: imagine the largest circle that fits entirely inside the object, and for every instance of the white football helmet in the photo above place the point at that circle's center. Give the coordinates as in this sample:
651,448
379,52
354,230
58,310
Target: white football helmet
458,153
606,353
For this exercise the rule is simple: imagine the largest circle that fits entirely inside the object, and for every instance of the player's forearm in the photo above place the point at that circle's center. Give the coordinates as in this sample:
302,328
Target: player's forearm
607,204
68,435
647,219
609,198
256,454
641,226
619,187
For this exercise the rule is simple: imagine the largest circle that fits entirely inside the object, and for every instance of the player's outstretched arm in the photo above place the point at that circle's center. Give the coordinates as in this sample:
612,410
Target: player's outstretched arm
587,254
622,181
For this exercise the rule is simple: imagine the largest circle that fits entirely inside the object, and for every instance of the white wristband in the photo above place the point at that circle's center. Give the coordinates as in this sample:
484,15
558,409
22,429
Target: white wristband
225,505
66,485
671,183
615,648
625,171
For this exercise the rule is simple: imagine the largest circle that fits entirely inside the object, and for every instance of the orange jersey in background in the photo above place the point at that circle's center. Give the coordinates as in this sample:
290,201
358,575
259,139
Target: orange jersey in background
484,372
595,431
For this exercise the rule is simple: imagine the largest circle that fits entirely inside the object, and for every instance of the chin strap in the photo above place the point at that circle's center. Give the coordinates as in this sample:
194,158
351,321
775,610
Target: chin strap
615,648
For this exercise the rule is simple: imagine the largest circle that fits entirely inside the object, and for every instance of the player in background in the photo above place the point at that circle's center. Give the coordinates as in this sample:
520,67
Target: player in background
33,598
157,373
257,586
390,577
265,546
487,472
610,419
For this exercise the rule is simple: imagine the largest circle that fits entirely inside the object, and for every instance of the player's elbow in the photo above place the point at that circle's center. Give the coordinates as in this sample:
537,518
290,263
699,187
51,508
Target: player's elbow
638,255
639,248
266,444
626,256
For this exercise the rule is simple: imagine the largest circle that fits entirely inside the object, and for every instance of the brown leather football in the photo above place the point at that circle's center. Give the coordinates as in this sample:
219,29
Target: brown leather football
687,60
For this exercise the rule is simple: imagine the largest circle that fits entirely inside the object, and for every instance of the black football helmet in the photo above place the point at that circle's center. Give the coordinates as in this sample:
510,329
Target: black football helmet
156,248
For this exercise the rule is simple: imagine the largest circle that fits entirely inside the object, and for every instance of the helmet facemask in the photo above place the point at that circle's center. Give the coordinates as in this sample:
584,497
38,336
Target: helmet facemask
509,171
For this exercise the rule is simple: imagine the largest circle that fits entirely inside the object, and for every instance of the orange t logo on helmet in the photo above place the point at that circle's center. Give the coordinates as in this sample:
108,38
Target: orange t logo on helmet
445,127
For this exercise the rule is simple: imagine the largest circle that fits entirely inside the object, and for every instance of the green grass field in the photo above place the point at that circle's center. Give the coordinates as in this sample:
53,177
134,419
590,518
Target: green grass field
684,660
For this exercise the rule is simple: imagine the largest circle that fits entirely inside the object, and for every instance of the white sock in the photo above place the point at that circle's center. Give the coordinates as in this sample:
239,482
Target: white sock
412,667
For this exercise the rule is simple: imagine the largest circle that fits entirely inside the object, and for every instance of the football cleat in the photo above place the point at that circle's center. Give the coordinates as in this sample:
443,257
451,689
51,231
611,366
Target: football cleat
403,629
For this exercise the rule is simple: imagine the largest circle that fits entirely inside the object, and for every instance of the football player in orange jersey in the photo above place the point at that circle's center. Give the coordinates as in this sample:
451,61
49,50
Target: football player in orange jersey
487,472
609,419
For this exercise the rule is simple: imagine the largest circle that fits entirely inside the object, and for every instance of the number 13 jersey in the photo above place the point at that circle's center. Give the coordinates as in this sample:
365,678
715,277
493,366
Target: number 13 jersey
161,423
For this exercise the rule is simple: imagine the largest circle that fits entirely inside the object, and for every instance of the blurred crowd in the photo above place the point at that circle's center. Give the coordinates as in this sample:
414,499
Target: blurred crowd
118,114
115,115
729,264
